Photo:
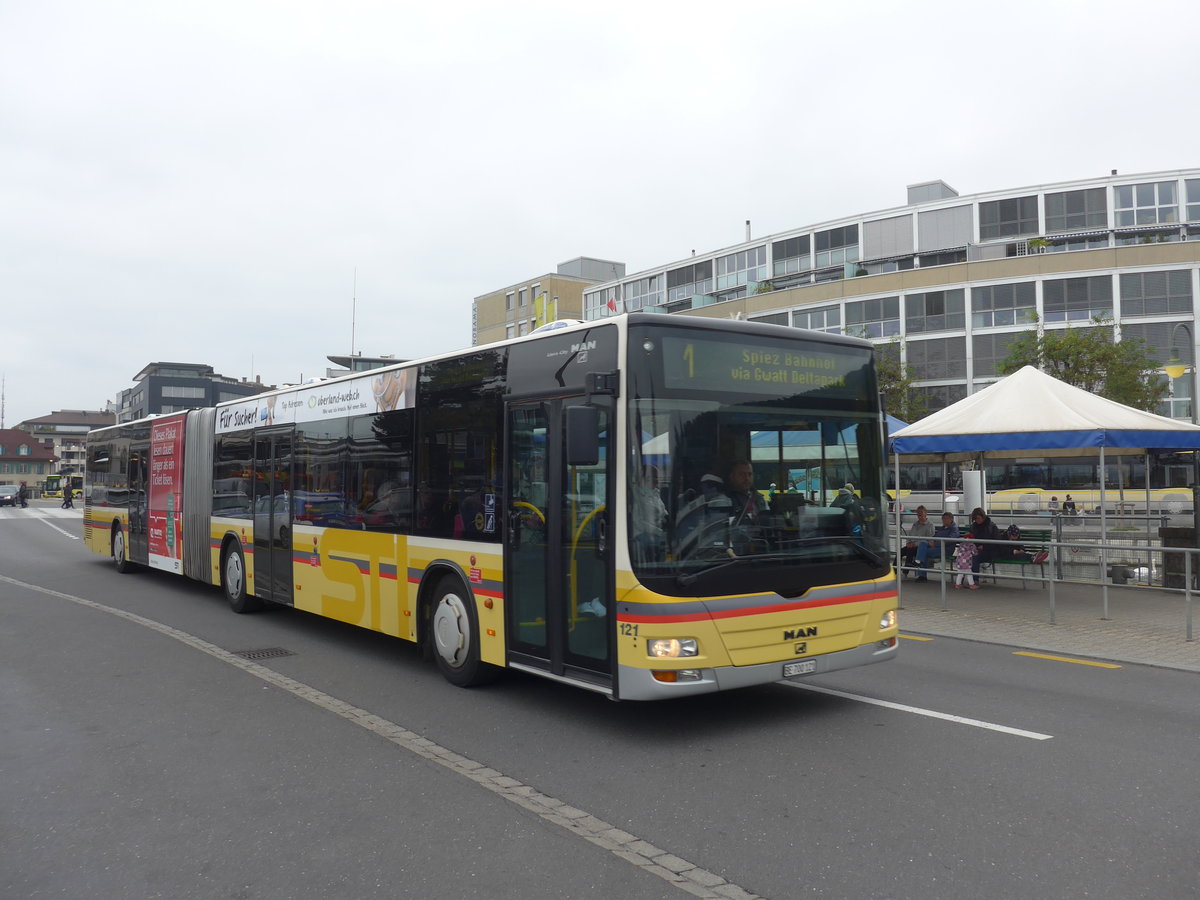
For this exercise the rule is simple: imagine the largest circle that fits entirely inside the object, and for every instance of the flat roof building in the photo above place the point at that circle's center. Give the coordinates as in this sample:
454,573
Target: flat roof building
521,307
951,281
163,387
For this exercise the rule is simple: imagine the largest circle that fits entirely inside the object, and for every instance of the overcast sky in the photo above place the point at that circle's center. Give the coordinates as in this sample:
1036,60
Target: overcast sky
199,181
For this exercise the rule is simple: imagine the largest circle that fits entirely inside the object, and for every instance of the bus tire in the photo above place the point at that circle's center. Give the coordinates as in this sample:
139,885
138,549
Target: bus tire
454,636
233,581
117,546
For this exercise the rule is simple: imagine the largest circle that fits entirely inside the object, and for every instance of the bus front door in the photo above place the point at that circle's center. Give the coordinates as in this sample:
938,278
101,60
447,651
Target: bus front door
558,567
273,516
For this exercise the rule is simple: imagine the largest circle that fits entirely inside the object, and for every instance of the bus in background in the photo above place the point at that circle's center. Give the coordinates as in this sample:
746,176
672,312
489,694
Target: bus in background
55,484
560,504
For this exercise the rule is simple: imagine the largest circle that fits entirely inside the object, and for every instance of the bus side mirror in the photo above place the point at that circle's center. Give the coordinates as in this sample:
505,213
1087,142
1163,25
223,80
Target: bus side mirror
583,435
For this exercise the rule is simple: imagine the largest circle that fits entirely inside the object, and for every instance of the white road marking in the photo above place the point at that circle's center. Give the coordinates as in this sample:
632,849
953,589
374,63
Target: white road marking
629,848
73,537
916,710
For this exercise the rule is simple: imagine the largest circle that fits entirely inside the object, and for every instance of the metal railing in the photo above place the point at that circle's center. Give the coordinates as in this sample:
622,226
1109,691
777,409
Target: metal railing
1134,558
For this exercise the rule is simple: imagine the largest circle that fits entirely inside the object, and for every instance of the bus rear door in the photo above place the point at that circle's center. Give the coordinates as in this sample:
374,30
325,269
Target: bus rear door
273,516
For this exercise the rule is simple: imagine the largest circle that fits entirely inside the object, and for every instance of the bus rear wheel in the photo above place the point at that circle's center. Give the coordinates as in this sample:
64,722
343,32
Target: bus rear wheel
233,581
454,636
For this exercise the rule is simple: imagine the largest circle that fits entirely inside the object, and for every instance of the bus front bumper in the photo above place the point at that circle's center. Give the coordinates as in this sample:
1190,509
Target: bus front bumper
640,684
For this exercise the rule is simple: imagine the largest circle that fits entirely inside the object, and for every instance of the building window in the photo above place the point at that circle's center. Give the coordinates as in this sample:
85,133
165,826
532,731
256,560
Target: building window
191,393
944,258
1079,242
23,450
772,319
877,318
988,351
1077,299
741,268
791,256
642,293
1008,218
934,311
523,300
1076,210
510,331
685,282
1153,203
1193,199
1156,293
937,359
828,319
837,246
508,301
1003,304
940,396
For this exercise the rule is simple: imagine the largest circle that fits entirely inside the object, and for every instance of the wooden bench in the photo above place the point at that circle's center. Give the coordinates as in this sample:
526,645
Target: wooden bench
1034,540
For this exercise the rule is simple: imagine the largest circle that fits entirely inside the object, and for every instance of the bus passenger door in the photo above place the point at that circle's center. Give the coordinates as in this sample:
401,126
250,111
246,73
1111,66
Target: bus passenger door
558,581
273,516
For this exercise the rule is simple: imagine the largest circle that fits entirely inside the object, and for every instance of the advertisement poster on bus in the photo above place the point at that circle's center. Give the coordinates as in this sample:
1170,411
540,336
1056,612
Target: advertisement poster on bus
384,391
166,494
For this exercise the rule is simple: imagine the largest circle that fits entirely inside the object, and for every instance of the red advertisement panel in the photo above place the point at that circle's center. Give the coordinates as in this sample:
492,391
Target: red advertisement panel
166,493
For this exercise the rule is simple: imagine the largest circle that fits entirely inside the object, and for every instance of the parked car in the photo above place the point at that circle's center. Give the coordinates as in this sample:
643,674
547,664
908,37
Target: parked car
8,494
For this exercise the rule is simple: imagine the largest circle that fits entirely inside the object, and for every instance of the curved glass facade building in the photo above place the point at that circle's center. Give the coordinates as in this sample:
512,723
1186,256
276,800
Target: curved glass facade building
950,281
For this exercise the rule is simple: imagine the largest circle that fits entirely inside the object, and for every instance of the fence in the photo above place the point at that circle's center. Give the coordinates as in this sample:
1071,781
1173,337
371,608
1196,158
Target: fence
1136,552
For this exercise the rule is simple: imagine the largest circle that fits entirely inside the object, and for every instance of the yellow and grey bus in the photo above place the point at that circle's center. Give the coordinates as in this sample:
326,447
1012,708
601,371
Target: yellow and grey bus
56,484
559,504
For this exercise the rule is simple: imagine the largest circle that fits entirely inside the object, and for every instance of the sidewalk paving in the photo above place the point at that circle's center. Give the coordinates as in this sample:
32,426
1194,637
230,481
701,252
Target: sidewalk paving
1144,625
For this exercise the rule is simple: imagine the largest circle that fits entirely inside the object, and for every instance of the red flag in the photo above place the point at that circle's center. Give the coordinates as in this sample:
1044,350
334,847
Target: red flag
612,303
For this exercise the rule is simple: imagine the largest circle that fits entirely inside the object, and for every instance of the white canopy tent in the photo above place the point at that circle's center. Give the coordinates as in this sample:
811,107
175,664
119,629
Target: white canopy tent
1032,411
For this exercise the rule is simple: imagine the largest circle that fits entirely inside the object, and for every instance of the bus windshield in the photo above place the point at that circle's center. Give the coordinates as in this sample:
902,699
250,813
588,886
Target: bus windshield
750,475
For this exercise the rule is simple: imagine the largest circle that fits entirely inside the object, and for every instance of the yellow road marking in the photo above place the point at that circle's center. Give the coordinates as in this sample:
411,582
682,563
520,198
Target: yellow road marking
1067,659
913,637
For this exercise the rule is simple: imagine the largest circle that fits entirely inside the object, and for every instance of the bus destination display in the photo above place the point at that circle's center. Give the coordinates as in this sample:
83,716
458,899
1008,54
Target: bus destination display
760,368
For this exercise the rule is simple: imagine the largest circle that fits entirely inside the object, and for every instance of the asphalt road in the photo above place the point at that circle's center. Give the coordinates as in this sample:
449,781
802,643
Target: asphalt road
139,757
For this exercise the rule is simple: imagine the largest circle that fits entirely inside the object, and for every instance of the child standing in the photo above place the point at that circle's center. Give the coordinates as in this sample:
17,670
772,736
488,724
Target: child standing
964,559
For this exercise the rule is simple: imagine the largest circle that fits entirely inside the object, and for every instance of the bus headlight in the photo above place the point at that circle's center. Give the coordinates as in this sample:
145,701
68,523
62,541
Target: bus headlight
672,648
888,620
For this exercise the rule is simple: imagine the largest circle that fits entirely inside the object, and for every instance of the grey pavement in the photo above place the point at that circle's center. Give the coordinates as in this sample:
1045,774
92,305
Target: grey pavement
1144,625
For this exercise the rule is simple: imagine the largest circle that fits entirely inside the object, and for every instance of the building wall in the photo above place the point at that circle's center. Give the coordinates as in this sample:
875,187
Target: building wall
501,314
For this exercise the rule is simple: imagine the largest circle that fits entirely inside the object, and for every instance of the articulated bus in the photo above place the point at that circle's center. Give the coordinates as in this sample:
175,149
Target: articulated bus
550,504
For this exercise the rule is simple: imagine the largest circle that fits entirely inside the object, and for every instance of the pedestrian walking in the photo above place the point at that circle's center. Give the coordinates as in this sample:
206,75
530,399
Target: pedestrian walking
23,495
68,497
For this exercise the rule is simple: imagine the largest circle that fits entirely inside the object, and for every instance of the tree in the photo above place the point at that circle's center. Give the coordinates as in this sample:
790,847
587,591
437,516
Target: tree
900,398
1091,359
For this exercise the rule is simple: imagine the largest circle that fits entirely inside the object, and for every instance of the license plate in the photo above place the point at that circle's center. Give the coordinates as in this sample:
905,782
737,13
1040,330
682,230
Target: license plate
804,667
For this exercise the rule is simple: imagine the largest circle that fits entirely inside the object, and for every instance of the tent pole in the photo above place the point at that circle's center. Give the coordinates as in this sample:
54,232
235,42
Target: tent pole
896,510
1103,535
1149,525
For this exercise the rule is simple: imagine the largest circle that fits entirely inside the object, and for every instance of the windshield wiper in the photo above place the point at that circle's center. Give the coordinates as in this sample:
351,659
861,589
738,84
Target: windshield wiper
848,540
852,541
692,578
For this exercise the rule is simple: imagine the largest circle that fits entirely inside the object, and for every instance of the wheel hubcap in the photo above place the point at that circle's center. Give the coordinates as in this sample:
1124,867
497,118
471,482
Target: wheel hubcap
233,574
118,549
451,632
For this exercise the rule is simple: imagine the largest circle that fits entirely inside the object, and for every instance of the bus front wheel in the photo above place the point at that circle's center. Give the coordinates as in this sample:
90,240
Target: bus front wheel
454,637
233,581
120,561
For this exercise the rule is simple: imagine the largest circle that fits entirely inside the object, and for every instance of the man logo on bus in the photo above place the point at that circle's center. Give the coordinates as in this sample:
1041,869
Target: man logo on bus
796,633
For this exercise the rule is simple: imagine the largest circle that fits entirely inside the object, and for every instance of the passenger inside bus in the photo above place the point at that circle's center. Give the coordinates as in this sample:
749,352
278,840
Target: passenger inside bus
649,515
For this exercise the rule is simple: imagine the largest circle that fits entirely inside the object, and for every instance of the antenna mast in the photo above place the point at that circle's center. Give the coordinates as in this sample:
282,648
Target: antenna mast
353,311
